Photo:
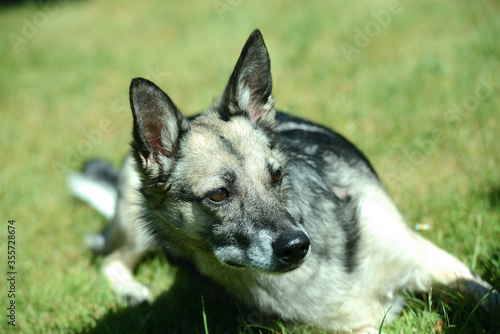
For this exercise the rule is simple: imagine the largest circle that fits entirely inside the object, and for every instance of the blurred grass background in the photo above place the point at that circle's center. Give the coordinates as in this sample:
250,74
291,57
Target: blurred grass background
414,84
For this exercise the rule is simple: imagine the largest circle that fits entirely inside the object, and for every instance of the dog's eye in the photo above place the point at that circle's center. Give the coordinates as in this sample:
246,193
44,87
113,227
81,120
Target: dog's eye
218,195
277,176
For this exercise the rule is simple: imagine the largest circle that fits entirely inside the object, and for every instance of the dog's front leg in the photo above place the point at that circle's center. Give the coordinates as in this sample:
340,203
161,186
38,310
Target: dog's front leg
117,270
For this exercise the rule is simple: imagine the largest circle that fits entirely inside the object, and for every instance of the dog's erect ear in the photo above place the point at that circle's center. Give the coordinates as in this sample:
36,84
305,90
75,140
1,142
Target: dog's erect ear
158,127
249,89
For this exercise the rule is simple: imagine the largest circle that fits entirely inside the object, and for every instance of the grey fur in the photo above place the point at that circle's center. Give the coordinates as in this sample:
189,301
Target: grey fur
350,253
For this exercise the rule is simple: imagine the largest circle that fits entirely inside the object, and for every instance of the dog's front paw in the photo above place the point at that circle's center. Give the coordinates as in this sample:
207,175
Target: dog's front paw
122,283
134,292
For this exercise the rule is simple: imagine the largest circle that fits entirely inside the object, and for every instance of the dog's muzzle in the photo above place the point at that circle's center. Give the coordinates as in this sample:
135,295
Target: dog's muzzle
291,247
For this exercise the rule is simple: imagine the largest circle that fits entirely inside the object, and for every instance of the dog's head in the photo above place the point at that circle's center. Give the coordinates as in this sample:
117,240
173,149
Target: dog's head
215,183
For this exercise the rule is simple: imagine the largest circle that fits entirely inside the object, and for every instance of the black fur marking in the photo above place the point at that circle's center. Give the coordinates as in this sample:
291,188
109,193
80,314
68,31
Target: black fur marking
229,176
241,239
230,148
307,168
326,140
223,116
270,133
182,192
349,223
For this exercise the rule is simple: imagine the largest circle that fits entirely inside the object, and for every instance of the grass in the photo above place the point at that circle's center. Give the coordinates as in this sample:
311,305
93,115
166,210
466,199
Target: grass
419,94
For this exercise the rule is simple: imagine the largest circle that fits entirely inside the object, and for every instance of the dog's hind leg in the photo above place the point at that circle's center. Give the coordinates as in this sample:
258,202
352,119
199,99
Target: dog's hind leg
412,262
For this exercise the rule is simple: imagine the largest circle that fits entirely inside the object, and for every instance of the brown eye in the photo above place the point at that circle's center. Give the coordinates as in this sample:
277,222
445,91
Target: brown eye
277,176
218,195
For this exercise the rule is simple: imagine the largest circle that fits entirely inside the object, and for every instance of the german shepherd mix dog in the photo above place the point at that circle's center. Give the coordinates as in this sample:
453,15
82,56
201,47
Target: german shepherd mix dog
288,216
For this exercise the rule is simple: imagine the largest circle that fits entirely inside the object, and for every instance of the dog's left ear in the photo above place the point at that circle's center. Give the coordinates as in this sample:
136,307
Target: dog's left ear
248,91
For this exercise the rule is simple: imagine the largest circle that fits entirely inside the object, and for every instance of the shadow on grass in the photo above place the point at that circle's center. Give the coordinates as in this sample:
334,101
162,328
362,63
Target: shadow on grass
465,312
180,310
466,316
493,197
13,3
491,265
448,312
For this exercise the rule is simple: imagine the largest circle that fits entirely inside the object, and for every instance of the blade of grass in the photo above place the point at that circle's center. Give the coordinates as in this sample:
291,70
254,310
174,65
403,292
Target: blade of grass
205,322
474,310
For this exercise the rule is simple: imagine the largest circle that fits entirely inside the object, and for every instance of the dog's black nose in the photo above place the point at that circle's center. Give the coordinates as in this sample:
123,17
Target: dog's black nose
291,247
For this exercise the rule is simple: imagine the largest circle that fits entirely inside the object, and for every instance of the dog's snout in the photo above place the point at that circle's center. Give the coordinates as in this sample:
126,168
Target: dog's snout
291,247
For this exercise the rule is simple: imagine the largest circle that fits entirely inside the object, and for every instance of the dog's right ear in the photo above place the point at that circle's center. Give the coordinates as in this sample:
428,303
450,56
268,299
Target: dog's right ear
158,128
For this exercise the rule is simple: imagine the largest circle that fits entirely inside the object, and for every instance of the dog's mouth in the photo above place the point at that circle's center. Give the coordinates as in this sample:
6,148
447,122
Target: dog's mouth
234,264
290,268
280,270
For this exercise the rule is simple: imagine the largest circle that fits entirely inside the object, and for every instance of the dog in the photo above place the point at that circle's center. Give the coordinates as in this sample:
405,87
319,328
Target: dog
286,215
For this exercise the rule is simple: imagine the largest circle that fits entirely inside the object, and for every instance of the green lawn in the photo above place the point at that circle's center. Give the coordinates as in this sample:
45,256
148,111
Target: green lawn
414,84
